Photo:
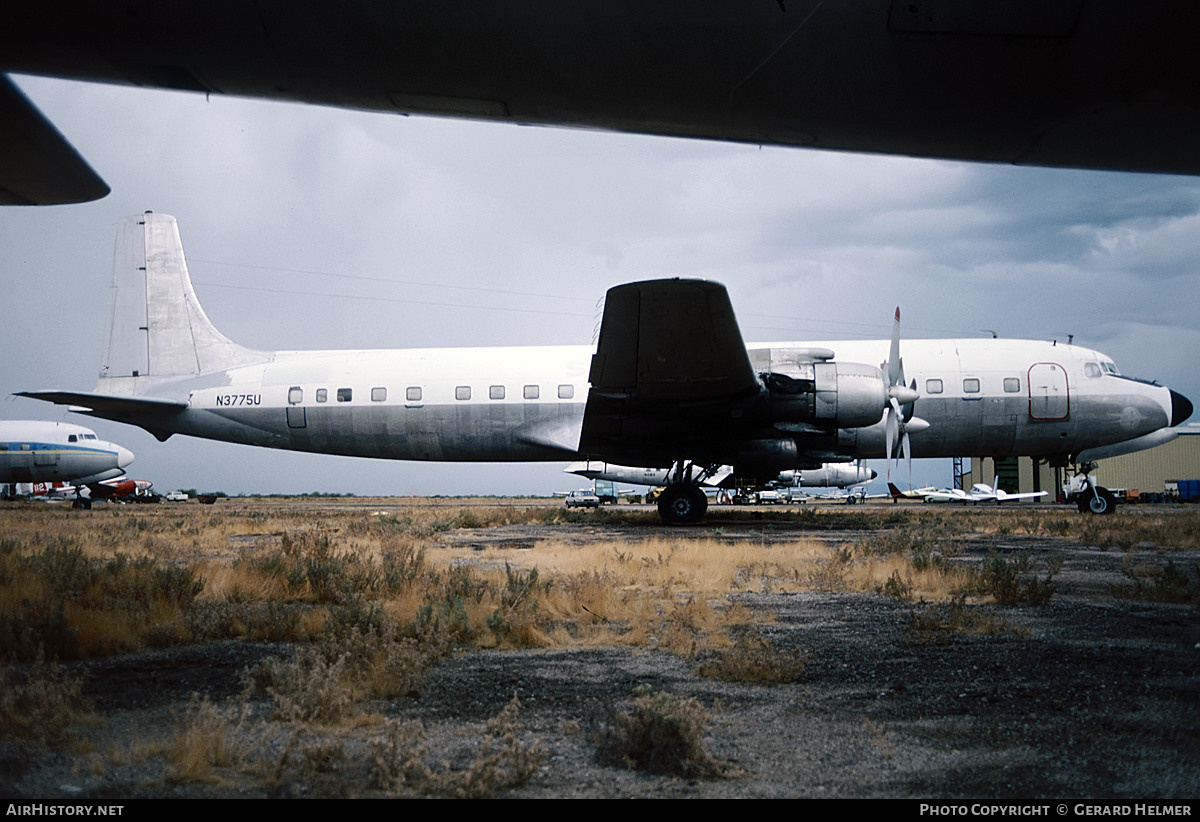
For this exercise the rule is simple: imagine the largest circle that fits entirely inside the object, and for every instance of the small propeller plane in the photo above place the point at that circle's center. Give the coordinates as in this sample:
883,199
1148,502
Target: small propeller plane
1000,496
671,383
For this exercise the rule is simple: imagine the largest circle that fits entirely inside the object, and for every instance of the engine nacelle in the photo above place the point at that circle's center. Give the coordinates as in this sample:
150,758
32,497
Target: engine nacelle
766,457
838,394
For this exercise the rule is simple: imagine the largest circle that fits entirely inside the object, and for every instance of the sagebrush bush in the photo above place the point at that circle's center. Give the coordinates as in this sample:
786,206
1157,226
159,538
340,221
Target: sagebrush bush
661,734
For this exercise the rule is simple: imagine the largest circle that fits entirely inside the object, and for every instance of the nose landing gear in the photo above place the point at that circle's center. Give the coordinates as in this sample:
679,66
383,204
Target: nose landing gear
1089,497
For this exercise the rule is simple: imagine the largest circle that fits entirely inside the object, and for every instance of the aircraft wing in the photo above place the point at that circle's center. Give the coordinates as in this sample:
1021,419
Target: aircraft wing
669,370
37,164
1004,496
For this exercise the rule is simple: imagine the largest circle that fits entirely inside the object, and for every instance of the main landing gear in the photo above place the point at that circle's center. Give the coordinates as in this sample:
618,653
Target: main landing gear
683,501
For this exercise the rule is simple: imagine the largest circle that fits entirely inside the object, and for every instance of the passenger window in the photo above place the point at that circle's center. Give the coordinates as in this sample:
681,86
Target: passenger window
413,393
566,392
971,385
1012,385
496,392
322,395
344,395
532,392
462,392
933,386
295,395
378,394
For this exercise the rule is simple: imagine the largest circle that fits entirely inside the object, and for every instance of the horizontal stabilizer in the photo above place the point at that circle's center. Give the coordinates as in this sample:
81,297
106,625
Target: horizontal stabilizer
105,404
150,414
37,164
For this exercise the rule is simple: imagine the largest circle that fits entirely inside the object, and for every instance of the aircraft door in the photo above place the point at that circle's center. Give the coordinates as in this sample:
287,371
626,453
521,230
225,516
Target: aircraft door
296,418
1049,396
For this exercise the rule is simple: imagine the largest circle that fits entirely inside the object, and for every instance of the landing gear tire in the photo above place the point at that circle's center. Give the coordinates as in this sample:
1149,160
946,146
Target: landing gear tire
1100,502
682,504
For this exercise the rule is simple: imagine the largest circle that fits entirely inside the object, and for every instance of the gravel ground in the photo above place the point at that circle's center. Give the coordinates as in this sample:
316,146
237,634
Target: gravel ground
1090,696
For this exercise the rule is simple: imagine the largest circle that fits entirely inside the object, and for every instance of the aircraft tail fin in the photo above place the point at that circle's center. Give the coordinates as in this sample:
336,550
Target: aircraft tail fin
895,492
157,328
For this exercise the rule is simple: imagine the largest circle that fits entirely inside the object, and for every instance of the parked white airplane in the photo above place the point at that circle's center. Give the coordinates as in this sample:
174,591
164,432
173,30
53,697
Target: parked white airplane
34,451
671,382
986,492
829,475
1086,83
913,493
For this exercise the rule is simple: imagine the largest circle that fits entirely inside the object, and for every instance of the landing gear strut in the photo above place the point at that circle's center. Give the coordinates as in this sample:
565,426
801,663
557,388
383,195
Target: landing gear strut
683,501
1092,498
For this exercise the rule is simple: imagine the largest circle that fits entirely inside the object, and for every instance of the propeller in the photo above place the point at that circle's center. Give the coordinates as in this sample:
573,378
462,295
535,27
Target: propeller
898,421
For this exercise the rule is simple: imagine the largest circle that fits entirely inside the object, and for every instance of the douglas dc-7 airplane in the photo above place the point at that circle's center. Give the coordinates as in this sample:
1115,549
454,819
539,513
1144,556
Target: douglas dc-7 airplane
670,383
34,451
1082,83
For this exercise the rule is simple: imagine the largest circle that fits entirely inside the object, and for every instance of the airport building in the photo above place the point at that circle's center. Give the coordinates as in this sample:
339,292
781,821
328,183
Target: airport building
1153,473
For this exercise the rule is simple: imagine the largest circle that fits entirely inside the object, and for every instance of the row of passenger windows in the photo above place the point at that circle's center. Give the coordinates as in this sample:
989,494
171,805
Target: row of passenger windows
414,393
970,385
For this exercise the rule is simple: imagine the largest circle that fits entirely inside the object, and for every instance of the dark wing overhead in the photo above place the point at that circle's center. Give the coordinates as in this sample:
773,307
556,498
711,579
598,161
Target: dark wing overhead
37,165
670,367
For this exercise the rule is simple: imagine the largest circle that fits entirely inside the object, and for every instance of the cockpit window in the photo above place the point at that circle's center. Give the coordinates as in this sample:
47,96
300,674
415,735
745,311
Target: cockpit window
1091,370
1110,368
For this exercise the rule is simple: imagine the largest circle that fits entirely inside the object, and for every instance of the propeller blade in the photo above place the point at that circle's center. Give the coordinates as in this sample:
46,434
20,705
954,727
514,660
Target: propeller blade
894,373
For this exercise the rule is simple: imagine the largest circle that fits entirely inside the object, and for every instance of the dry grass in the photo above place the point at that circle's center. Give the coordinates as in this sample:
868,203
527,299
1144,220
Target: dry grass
40,703
142,576
660,733
374,598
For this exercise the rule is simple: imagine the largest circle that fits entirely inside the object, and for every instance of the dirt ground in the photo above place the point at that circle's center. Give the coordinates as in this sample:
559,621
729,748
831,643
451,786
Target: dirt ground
1090,696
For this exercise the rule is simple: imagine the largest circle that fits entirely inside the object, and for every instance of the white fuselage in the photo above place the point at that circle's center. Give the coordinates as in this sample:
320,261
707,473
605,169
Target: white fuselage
980,397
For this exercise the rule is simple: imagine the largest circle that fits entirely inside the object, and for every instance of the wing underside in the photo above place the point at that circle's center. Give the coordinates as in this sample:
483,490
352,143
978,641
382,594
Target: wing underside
37,164
669,374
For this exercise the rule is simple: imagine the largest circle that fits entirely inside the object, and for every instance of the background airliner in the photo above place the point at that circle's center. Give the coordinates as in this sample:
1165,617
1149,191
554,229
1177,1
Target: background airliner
828,475
1082,83
35,451
670,383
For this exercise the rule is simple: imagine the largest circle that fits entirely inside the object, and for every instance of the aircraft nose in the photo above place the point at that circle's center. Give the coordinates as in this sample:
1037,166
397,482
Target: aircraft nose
1181,408
874,473
124,457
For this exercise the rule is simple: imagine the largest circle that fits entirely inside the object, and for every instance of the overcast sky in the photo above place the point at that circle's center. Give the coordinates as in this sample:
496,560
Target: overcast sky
308,227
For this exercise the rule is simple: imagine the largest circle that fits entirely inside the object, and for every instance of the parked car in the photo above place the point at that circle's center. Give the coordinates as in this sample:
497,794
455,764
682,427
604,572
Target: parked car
582,499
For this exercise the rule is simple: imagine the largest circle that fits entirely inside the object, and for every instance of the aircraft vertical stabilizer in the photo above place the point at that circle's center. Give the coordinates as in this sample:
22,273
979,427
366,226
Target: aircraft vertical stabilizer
157,328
